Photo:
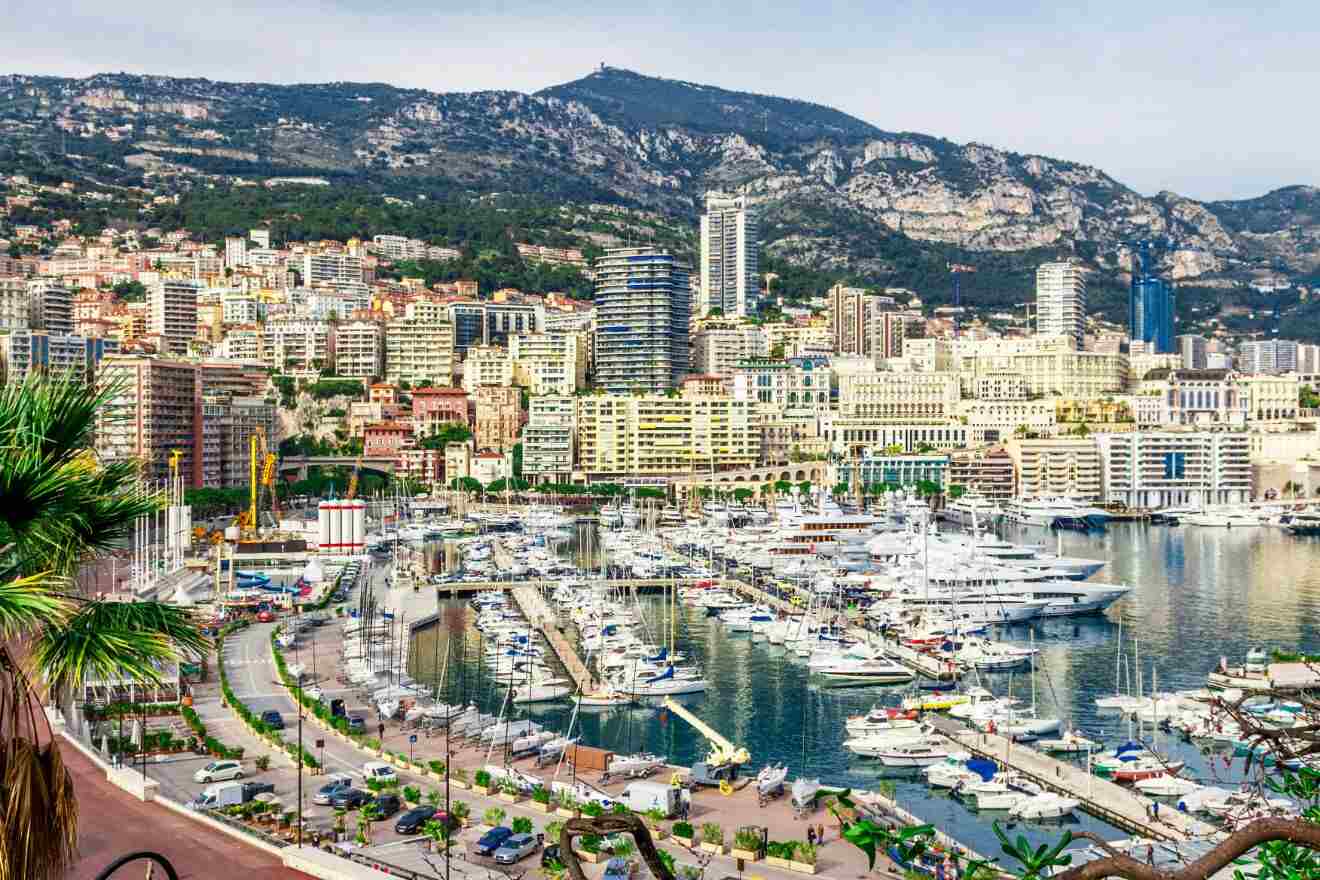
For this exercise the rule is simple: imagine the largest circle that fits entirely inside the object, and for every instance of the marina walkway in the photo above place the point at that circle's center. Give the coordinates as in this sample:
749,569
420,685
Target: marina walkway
1101,798
535,609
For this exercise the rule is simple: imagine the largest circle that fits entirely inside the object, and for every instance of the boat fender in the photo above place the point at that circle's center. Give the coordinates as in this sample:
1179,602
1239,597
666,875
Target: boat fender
725,788
676,781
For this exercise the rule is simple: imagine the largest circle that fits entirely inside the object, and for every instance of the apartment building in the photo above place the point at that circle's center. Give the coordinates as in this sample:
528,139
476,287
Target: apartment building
730,275
489,323
1268,397
329,268
717,351
15,303
419,351
486,365
360,349
993,421
987,470
1153,469
793,386
155,410
891,470
172,314
22,351
807,340
1061,301
853,313
547,439
434,407
498,417
1058,466
656,435
883,396
298,344
51,307
239,418
244,344
549,363
643,305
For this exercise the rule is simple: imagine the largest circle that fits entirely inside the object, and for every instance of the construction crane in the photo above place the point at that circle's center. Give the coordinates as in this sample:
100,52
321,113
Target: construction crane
957,270
353,480
721,765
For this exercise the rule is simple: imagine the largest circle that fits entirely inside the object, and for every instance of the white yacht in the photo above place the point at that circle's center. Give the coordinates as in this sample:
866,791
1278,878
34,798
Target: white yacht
971,509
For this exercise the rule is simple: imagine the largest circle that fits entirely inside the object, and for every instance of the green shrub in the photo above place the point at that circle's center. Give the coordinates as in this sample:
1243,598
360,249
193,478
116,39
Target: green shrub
747,839
683,829
806,853
412,794
589,843
781,849
711,832
522,825
482,778
494,816
437,767
593,809
620,809
541,794
433,798
460,809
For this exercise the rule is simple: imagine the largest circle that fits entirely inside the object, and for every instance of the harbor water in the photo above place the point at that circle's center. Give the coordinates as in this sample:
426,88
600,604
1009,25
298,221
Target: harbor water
1199,594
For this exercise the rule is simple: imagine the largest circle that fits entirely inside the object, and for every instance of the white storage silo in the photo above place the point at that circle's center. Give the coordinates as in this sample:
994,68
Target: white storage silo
323,526
359,517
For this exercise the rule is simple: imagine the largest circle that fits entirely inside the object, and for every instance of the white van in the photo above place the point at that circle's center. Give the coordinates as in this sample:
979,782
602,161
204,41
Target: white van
379,771
221,794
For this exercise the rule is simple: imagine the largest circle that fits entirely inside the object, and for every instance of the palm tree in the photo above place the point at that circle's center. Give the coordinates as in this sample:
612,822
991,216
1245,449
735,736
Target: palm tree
58,506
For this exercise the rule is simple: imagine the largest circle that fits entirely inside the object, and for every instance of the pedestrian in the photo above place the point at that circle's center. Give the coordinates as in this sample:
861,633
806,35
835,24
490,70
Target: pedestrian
382,731
1155,808
1150,855
820,833
811,834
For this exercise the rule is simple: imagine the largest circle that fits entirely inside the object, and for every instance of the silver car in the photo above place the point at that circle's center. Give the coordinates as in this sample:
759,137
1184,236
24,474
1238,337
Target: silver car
515,849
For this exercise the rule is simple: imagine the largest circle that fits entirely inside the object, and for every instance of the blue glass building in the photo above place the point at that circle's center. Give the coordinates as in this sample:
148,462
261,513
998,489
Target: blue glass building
1151,306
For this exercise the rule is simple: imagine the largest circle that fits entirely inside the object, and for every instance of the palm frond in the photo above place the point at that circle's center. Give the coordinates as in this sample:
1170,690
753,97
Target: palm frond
116,640
26,605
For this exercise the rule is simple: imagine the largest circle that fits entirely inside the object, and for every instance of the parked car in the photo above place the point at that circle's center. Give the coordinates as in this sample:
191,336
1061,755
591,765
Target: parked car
380,771
619,869
272,719
350,798
338,784
219,771
265,617
412,821
492,840
387,805
515,849
357,724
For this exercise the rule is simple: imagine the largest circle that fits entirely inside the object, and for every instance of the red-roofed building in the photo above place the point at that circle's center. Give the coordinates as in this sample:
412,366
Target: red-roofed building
383,392
440,405
385,439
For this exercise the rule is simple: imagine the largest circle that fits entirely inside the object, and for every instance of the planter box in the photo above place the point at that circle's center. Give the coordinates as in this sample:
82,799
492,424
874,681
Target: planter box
593,858
481,789
509,798
777,862
684,841
658,833
746,855
539,807
802,867
458,783
567,814
714,848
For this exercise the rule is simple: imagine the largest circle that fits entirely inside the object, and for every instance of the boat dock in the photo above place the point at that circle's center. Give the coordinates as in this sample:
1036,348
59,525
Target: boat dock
1103,799
756,594
535,609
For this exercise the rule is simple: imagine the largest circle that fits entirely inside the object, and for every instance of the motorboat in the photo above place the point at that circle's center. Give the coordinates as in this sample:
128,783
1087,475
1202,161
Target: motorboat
853,670
1001,792
872,745
545,691
920,753
804,792
1046,805
1070,743
1165,786
770,780
641,764
959,768
1145,767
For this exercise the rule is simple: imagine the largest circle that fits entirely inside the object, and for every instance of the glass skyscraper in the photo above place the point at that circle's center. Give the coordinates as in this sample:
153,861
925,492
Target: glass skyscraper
1151,306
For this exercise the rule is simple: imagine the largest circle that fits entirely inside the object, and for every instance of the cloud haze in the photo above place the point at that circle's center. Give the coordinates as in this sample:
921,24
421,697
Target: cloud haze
1211,100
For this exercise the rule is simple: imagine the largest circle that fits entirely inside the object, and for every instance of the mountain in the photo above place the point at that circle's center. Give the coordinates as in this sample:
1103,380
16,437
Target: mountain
835,191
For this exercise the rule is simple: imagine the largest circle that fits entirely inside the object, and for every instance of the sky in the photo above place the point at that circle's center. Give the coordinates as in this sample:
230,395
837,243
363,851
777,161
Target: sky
1210,100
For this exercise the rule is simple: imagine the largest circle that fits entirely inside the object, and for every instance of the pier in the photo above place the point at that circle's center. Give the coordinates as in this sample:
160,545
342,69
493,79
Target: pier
541,616
1101,798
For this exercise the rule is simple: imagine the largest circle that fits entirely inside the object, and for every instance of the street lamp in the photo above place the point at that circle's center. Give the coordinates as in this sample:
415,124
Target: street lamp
298,701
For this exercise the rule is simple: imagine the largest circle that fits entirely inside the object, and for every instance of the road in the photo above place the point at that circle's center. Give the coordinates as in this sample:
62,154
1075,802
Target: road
112,823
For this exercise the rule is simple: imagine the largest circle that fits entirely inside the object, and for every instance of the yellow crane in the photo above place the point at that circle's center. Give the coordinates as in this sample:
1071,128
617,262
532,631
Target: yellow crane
724,759
353,480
